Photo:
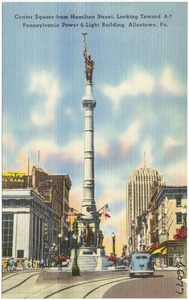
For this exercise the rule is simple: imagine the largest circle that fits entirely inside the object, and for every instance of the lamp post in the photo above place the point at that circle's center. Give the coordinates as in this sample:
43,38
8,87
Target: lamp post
54,246
59,241
185,240
66,239
75,268
133,242
113,246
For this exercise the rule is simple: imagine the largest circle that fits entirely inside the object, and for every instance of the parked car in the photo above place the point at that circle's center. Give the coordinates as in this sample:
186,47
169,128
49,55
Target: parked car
141,264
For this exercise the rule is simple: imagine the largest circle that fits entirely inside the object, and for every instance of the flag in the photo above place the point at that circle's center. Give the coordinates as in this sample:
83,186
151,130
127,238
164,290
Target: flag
67,218
105,211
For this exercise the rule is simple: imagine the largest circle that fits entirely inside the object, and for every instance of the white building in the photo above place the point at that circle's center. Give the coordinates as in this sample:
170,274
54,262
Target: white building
27,224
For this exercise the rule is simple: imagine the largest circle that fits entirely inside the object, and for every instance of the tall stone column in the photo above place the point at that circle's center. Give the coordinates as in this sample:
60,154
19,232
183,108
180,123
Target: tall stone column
88,203
88,207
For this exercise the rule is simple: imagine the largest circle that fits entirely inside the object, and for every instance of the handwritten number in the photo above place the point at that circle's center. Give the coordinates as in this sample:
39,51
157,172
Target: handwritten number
180,284
179,292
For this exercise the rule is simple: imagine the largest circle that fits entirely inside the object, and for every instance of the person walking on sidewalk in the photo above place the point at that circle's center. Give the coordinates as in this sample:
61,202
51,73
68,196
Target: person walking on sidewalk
11,264
162,263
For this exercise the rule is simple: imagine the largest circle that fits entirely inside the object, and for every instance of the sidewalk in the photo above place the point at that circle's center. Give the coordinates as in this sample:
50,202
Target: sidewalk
166,269
170,269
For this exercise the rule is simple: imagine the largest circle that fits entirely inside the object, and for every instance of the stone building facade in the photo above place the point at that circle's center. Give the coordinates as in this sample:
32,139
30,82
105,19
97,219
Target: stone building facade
24,215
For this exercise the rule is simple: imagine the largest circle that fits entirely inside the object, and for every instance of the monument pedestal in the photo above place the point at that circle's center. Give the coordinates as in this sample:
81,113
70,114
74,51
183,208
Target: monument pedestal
102,261
91,259
87,259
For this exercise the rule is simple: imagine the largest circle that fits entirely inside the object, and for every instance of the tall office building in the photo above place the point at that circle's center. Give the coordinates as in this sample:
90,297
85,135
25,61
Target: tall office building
140,188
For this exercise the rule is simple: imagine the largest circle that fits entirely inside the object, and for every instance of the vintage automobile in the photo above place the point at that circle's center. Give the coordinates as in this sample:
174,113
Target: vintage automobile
141,264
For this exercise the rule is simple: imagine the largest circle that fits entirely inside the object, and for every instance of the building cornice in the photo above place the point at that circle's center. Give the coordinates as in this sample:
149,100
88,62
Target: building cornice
171,192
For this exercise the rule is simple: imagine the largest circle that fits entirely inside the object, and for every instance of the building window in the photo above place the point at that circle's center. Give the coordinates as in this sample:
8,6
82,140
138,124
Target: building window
20,253
179,202
7,234
179,218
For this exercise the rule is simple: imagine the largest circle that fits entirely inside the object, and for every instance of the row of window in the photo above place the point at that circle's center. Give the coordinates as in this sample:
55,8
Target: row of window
7,234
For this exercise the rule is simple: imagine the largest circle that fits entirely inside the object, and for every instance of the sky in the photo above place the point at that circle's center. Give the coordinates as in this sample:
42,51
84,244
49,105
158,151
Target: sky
139,83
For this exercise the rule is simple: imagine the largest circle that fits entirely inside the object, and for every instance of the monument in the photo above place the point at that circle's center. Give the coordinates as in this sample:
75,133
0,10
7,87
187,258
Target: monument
89,226
91,255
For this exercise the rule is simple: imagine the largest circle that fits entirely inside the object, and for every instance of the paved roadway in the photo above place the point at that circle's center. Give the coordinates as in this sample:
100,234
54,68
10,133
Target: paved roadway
110,284
162,285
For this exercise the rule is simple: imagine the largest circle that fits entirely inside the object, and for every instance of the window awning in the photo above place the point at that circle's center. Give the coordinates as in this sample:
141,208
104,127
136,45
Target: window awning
159,250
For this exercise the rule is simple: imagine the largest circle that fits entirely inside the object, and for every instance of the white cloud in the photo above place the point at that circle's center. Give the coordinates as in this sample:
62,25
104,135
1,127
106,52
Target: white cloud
170,143
139,82
51,152
176,173
73,151
130,137
46,85
101,146
8,141
170,83
113,192
142,82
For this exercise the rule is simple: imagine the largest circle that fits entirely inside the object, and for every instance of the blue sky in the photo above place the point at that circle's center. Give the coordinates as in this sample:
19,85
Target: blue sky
139,83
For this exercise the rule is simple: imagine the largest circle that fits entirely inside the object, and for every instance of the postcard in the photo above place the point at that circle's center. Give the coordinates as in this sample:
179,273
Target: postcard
94,149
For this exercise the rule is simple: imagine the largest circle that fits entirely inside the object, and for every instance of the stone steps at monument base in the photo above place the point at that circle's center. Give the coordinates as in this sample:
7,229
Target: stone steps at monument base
87,263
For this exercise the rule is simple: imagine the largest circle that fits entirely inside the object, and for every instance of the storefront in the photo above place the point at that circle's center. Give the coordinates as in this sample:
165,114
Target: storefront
174,249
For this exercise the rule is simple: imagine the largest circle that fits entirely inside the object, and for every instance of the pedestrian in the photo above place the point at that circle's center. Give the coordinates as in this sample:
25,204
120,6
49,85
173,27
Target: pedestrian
42,263
22,264
30,264
6,264
162,263
178,261
37,263
27,263
11,264
15,264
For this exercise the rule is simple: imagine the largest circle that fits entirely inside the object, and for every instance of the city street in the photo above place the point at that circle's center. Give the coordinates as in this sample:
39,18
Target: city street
162,285
46,283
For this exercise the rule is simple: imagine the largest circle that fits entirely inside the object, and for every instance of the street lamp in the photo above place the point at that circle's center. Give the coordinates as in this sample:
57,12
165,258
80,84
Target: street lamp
59,240
75,268
113,246
66,239
54,249
133,242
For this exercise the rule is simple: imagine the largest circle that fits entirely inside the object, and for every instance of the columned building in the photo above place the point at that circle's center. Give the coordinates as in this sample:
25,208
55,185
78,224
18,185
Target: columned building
140,188
53,189
27,224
